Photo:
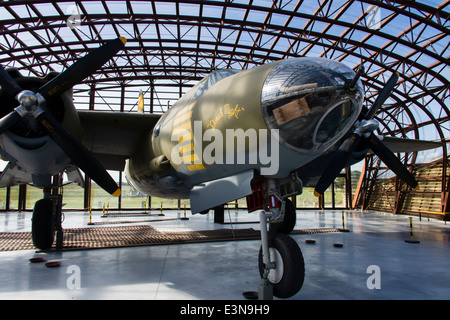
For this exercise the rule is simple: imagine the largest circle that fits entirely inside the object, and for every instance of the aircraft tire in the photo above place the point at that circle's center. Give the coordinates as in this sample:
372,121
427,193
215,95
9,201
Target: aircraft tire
43,224
288,276
290,218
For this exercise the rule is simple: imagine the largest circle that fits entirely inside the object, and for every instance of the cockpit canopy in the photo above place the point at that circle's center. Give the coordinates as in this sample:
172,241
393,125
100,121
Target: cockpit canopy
207,82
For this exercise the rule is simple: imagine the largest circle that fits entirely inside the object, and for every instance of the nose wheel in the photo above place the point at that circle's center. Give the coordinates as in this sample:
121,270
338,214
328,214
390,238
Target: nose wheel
281,264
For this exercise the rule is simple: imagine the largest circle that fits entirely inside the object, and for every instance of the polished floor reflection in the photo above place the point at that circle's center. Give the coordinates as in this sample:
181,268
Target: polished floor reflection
374,262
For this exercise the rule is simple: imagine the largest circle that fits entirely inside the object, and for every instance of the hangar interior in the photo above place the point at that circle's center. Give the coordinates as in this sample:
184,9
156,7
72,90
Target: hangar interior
174,44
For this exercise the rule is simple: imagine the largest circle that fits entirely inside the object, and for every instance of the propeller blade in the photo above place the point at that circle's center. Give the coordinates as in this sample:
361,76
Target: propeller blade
8,83
352,83
343,154
79,154
82,68
9,120
340,159
383,95
389,158
29,104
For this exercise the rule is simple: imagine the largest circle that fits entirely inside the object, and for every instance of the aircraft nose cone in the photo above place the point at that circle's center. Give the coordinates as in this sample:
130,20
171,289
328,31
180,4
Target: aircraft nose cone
306,100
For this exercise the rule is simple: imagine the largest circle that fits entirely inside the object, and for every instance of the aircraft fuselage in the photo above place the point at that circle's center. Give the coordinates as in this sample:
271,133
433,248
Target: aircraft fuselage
272,119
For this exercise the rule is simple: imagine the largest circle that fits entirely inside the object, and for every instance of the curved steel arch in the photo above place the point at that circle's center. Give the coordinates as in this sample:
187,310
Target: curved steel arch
179,42
258,27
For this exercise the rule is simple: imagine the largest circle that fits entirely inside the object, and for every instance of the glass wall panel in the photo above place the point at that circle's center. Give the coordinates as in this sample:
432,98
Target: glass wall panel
307,199
3,199
100,197
14,200
339,193
73,197
33,194
131,198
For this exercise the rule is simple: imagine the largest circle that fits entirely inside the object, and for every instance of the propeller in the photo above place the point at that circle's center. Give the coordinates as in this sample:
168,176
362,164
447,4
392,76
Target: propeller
35,103
363,132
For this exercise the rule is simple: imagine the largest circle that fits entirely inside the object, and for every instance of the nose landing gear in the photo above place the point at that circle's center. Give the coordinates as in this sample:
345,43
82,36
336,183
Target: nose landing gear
281,264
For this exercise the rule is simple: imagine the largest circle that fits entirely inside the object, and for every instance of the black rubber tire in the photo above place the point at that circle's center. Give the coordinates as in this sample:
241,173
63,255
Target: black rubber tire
43,224
293,273
290,218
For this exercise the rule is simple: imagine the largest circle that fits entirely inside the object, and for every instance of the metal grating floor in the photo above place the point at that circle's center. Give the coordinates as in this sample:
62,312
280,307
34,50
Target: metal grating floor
142,235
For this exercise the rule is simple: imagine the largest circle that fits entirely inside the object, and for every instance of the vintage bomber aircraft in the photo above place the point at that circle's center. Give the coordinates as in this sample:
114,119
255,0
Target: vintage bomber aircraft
289,123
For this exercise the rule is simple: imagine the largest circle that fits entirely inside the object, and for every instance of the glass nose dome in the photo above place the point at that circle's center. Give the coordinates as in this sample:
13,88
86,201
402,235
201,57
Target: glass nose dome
307,101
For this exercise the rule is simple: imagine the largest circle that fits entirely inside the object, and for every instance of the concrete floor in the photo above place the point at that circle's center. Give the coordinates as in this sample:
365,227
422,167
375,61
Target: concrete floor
224,270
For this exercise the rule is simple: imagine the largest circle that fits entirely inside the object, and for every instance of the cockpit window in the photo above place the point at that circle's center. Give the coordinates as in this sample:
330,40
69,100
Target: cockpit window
211,79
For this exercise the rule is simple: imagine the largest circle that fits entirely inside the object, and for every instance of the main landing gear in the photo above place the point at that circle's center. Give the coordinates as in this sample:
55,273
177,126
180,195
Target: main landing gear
47,219
281,263
43,224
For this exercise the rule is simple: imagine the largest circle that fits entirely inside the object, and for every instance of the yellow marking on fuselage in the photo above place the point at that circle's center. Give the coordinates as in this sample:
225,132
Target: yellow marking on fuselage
190,158
228,111
186,110
180,119
195,167
185,137
183,129
188,148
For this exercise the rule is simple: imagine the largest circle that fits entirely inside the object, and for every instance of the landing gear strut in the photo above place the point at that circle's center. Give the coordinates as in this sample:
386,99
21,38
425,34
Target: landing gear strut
281,264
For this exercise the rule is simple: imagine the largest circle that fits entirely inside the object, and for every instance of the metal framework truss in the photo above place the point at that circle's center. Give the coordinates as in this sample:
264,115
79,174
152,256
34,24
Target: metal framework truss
173,44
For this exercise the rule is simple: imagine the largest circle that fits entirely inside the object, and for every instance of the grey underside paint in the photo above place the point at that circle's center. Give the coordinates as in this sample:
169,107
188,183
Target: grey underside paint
210,194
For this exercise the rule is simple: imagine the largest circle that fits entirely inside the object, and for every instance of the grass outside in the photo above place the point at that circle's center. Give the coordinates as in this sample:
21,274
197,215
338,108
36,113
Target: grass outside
73,197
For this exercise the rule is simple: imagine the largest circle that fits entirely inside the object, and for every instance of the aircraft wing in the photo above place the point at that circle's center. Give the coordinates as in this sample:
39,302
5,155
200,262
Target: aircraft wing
110,136
113,136
398,145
